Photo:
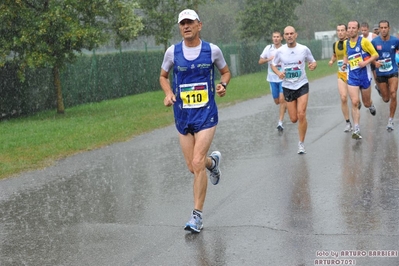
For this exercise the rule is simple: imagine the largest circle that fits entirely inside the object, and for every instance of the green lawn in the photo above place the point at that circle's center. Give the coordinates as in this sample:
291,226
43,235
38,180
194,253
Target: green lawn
38,141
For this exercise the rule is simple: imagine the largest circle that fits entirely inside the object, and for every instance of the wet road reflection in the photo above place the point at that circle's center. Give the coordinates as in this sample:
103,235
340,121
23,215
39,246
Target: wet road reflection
126,204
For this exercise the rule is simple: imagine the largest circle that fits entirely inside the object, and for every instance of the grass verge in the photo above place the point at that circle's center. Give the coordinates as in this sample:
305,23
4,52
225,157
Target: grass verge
39,140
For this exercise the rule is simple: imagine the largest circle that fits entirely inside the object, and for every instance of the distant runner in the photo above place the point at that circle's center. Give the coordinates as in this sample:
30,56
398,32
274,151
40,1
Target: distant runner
274,81
292,57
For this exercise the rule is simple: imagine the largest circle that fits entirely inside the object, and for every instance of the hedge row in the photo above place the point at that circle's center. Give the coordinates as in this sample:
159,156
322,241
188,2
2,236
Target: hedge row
98,77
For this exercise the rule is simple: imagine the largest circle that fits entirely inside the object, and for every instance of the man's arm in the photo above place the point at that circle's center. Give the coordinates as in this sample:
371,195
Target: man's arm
312,65
332,60
280,74
225,79
263,60
263,57
170,98
368,47
345,63
333,57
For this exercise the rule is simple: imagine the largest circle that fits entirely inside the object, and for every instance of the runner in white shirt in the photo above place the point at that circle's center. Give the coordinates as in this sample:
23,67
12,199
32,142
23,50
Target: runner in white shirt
376,29
292,57
274,81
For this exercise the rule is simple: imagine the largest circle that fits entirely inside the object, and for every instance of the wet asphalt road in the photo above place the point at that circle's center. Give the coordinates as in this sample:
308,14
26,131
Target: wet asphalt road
126,204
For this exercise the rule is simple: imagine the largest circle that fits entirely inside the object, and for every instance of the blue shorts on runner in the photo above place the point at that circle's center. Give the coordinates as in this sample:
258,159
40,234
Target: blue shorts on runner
276,88
190,121
363,83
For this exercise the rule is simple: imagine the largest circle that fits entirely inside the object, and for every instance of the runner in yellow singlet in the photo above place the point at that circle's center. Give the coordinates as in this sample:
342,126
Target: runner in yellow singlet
339,50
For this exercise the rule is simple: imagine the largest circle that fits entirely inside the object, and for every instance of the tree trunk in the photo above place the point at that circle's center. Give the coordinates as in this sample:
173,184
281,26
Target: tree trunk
165,46
58,90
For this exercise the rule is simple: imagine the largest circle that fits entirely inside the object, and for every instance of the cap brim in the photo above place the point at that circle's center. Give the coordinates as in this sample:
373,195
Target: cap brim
190,18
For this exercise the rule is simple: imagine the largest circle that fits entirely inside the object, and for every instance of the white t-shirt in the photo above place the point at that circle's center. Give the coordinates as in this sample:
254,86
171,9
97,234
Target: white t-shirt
191,53
269,51
369,71
292,62
370,36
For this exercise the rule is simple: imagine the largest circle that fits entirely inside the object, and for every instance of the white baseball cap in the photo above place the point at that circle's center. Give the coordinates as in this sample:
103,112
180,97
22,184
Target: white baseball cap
188,14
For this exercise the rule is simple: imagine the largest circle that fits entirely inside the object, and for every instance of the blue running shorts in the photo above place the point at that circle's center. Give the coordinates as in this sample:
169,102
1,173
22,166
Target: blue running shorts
276,88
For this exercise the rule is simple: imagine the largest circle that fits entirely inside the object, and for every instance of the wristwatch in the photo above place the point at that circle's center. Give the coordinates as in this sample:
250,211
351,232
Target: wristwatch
224,84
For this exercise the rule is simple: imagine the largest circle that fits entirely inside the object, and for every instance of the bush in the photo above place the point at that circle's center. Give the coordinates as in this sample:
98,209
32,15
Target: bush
94,78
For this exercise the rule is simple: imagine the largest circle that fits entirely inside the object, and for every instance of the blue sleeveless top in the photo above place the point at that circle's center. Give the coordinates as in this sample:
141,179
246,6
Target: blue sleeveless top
193,83
357,51
200,69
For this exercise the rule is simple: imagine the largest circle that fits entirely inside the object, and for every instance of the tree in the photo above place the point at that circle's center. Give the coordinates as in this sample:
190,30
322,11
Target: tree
220,27
313,15
260,18
373,11
323,15
160,16
50,33
342,13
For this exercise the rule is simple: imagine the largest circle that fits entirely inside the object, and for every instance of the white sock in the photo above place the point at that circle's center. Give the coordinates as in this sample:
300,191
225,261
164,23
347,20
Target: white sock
213,163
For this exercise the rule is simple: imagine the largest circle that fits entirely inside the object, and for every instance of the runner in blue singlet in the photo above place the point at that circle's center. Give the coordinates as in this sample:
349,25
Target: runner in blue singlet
359,53
386,68
192,96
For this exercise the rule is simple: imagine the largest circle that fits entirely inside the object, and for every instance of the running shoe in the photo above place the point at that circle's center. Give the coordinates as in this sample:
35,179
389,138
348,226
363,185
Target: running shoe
359,105
356,134
390,125
301,148
280,127
348,127
378,89
215,173
195,223
372,109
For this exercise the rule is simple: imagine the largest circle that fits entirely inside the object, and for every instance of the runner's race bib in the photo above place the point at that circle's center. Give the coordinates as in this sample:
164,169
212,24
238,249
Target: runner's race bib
340,63
292,74
354,60
386,65
194,95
